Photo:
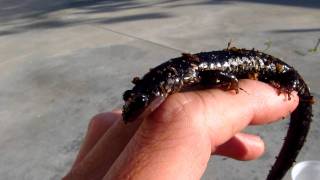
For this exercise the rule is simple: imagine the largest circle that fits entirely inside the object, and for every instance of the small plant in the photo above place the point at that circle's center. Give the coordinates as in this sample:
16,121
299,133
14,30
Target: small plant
311,50
316,47
268,44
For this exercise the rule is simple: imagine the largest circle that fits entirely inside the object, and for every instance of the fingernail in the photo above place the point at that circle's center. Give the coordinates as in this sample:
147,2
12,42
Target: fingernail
152,106
156,103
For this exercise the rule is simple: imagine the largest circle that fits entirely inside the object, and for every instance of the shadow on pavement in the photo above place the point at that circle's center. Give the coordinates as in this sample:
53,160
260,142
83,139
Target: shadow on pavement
18,17
299,3
296,30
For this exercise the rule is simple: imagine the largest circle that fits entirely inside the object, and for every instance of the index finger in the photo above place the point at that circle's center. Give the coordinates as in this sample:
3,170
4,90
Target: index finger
176,140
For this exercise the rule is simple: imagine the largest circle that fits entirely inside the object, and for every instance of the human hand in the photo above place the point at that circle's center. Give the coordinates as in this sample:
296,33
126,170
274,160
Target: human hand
177,138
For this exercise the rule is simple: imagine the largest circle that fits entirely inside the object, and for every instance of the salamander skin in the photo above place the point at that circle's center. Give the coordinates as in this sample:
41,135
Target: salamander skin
223,69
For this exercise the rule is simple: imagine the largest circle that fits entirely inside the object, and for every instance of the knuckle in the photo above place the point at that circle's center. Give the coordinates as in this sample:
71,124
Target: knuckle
95,120
99,120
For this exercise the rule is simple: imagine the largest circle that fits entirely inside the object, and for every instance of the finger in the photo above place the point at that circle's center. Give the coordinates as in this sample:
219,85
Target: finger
98,125
98,161
178,137
260,104
269,106
242,147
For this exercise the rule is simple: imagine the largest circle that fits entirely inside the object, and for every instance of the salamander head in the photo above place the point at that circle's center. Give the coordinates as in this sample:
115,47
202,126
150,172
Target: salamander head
135,103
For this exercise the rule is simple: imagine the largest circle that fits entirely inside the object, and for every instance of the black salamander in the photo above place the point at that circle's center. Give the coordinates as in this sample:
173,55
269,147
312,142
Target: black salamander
223,69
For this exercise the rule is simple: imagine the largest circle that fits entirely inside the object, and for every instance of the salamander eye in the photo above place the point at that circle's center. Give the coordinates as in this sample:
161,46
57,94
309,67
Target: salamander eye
128,95
141,100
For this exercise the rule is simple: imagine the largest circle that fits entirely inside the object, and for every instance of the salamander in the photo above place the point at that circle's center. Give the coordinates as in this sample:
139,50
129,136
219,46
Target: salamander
223,69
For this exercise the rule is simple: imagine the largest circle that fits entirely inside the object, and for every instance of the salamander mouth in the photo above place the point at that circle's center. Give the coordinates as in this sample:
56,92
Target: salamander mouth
134,106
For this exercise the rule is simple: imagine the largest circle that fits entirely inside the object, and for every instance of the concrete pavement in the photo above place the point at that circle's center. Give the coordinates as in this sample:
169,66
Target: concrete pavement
63,62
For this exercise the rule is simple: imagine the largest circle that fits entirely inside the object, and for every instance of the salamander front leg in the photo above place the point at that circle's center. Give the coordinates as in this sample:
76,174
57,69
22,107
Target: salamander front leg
222,80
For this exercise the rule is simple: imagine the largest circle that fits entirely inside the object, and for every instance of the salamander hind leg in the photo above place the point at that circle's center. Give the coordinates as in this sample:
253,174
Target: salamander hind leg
286,83
281,89
218,79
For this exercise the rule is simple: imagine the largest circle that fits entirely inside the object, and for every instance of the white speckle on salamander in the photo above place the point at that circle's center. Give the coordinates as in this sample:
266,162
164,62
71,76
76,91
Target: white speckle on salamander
203,66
